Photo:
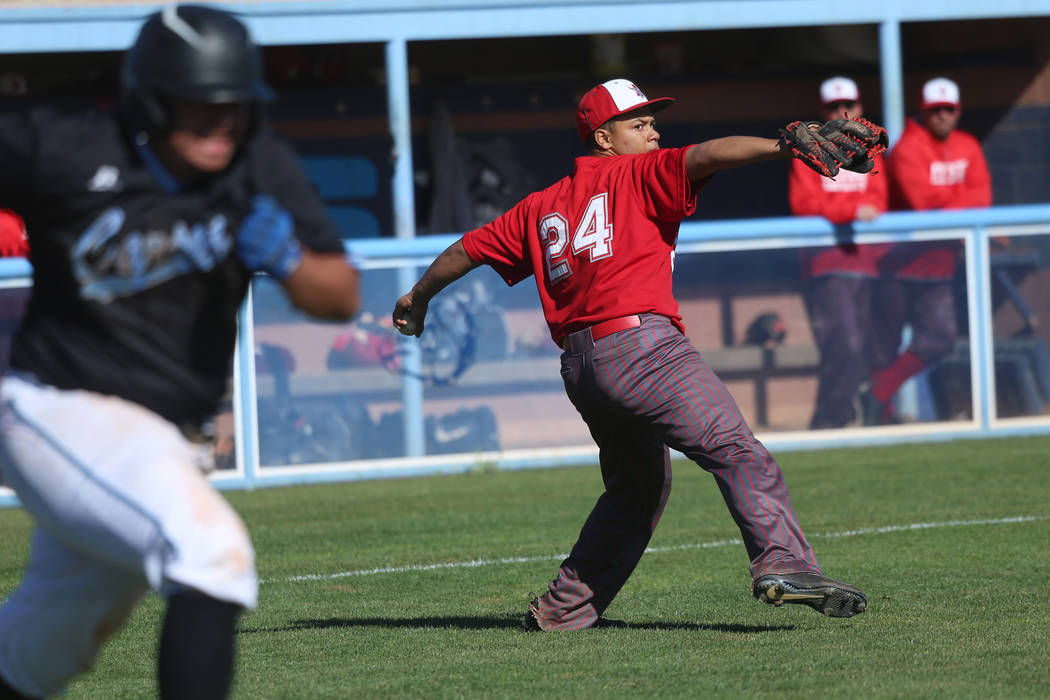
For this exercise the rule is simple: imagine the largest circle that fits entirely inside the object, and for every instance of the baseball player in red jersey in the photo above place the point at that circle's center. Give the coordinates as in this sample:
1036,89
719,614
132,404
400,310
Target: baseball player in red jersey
933,166
600,243
146,228
838,279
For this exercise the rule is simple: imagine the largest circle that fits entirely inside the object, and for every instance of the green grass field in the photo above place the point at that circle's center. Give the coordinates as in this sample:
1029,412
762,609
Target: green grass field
957,606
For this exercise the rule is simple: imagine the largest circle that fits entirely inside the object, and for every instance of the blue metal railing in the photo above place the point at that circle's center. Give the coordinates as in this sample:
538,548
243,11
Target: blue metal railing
973,227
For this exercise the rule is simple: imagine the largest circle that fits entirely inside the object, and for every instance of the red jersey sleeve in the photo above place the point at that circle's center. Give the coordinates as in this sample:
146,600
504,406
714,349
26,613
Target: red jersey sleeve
661,180
501,244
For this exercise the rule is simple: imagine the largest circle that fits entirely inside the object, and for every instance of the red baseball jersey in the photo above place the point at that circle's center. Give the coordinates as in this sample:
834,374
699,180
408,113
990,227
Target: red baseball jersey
600,241
812,194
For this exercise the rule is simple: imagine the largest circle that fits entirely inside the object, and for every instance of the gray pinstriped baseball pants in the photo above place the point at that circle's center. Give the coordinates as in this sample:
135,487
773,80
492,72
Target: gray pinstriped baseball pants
640,391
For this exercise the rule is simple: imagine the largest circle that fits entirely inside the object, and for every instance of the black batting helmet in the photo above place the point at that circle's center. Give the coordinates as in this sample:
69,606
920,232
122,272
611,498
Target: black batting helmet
191,53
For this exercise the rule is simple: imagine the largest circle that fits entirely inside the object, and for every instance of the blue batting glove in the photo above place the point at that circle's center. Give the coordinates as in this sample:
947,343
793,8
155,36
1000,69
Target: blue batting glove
266,241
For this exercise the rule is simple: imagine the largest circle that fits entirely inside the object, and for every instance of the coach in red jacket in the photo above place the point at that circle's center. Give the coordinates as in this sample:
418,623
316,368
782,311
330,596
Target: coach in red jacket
933,166
838,279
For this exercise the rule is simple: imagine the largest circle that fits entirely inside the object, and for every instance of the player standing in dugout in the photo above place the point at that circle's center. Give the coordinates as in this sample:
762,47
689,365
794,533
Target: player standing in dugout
837,280
145,228
600,243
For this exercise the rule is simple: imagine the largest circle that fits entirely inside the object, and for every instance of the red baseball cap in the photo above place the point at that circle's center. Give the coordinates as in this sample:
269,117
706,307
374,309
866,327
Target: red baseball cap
611,99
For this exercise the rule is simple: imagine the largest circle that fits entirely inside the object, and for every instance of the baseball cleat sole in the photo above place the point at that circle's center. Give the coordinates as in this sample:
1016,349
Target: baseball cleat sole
825,595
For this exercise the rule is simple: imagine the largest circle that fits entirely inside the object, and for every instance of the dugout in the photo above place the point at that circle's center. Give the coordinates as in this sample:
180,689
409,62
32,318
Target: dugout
395,91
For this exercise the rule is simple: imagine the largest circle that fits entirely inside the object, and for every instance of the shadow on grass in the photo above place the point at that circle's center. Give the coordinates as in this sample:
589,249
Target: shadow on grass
505,622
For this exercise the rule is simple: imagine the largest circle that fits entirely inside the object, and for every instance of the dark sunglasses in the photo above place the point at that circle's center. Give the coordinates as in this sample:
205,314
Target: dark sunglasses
942,108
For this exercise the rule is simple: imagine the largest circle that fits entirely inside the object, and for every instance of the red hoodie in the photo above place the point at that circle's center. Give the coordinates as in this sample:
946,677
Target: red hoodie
926,173
812,194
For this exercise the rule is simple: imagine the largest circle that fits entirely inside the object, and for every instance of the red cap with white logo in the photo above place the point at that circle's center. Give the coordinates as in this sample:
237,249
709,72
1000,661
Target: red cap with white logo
611,99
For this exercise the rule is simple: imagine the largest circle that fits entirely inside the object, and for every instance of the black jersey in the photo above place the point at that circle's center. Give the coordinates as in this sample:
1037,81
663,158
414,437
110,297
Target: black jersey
136,282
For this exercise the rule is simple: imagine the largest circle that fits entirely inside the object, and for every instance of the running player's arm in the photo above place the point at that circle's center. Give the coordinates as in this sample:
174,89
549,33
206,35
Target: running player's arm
708,157
324,285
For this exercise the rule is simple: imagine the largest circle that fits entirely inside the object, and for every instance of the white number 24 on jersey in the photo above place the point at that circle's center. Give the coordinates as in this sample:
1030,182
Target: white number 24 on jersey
593,234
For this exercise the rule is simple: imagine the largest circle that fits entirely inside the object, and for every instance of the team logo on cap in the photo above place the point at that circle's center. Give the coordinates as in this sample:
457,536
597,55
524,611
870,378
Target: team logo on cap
624,93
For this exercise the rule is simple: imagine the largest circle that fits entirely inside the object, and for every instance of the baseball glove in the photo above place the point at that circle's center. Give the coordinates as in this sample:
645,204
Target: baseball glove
813,148
859,139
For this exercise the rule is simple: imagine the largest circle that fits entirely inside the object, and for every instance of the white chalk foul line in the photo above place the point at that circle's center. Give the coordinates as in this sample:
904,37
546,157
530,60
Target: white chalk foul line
670,548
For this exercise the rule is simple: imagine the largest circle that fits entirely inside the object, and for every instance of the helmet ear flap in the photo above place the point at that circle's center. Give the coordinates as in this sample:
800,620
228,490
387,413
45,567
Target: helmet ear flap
156,113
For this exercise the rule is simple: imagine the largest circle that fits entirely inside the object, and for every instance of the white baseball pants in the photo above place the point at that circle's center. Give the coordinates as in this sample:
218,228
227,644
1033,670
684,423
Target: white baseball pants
120,507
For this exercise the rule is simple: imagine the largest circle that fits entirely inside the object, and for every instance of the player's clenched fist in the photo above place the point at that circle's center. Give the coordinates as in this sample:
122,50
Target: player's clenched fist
409,314
411,309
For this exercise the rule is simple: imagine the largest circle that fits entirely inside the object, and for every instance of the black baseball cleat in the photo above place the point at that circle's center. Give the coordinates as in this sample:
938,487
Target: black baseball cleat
529,623
825,595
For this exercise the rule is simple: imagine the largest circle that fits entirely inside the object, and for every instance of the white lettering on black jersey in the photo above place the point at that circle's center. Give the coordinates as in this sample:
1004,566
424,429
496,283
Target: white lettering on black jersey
107,266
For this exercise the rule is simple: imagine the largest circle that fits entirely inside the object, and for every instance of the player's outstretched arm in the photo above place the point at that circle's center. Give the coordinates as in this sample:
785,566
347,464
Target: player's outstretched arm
708,157
411,309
